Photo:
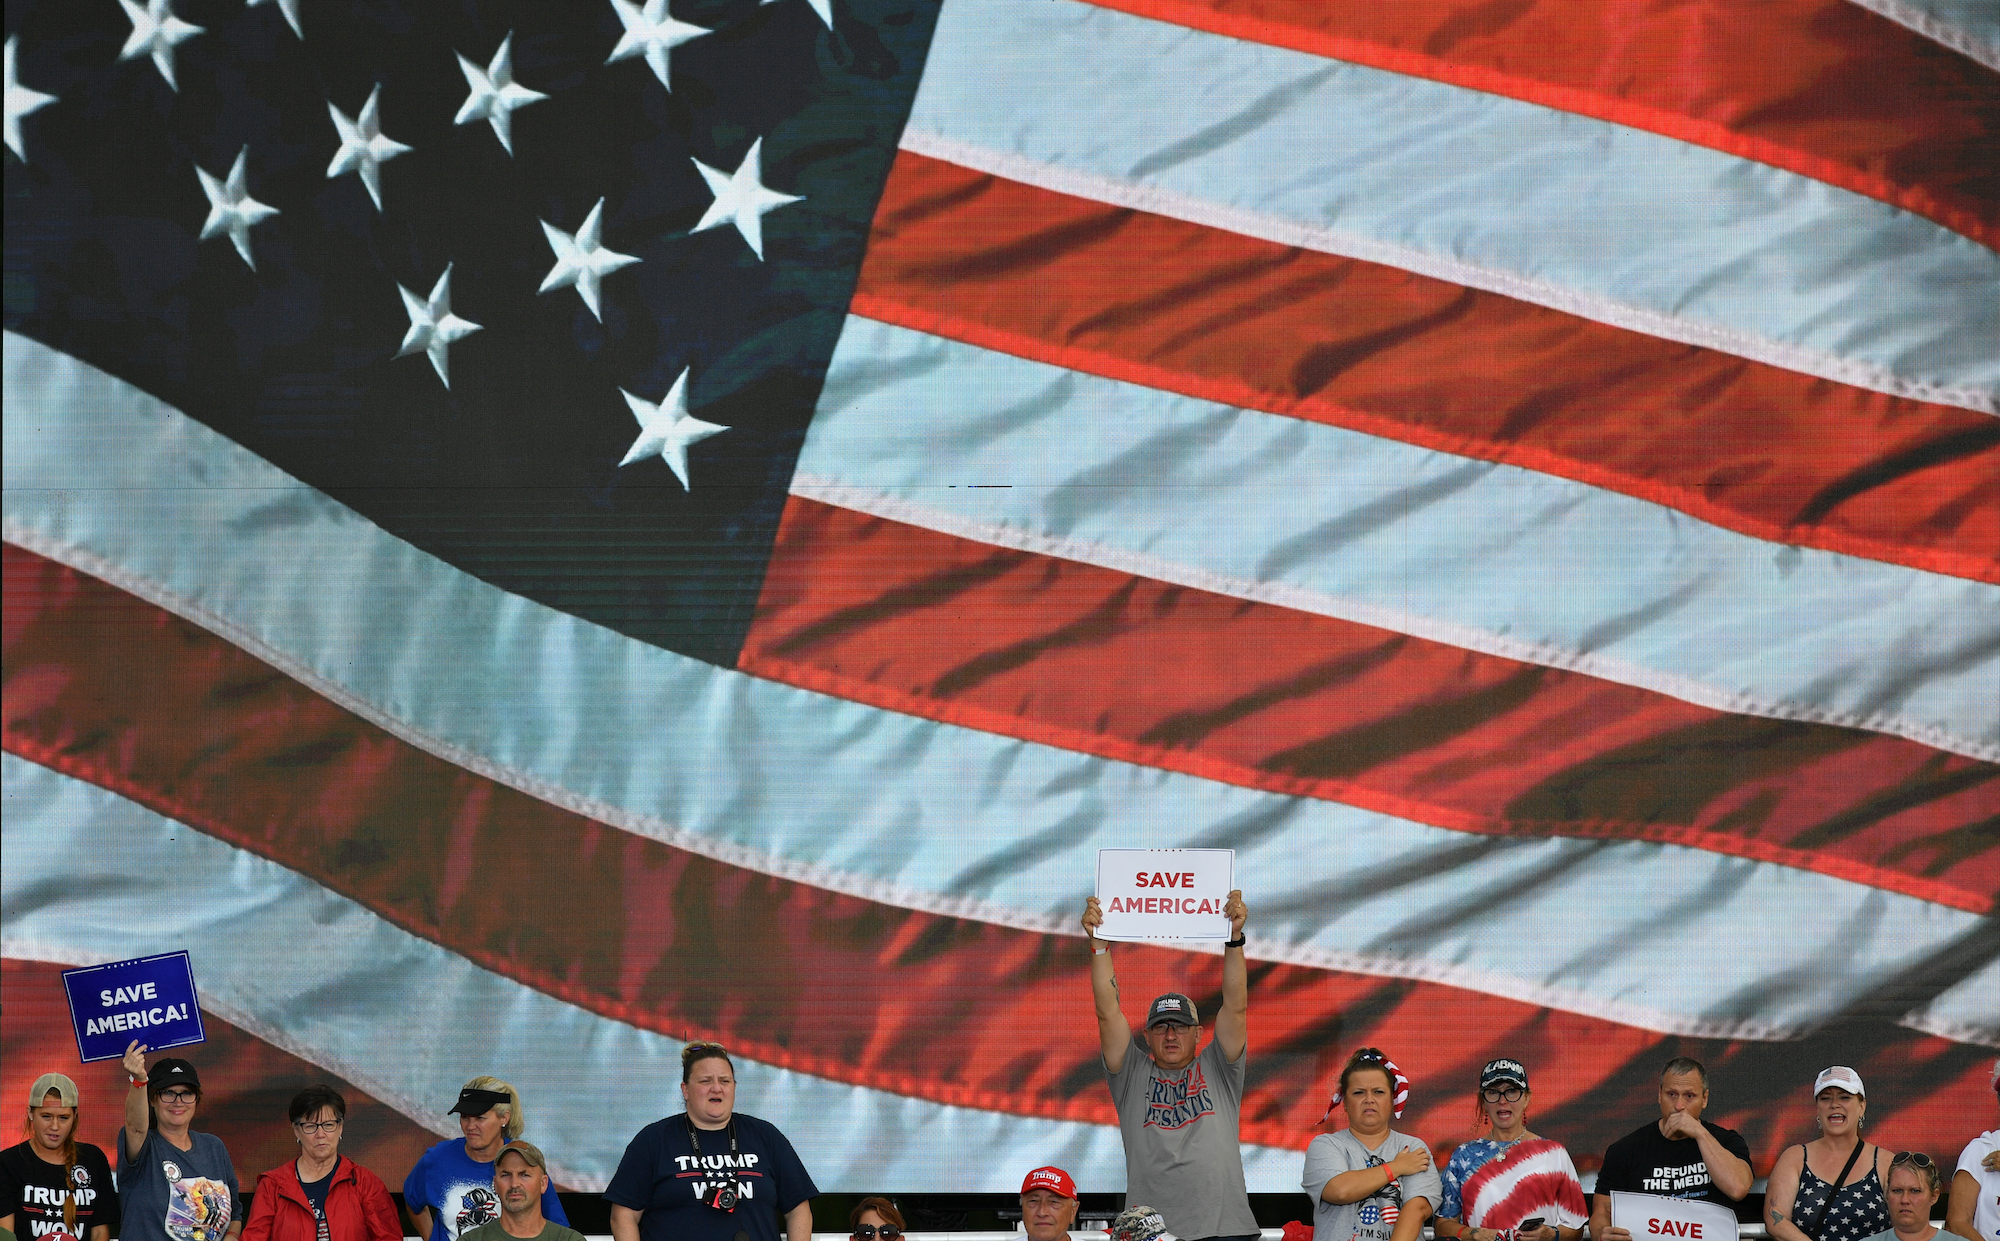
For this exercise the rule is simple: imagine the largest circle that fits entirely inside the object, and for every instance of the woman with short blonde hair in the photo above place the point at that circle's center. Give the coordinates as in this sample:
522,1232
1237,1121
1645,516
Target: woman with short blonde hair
510,1113
450,1191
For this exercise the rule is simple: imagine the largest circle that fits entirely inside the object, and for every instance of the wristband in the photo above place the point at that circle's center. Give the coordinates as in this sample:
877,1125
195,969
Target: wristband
1233,943
1098,952
136,1081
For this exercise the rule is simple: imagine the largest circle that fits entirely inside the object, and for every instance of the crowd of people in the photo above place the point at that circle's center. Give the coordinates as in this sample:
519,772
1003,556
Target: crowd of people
711,1173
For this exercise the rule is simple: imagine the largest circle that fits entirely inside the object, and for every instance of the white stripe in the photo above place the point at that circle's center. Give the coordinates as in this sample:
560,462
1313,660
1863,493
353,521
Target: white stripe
822,791
321,977
1589,217
1966,1011
1968,27
1326,520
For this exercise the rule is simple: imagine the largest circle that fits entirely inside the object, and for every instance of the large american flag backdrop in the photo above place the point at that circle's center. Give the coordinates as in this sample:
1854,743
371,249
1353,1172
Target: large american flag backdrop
539,530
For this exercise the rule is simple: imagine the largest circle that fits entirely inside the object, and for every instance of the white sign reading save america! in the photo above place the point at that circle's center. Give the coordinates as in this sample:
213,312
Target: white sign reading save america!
1164,893
1650,1217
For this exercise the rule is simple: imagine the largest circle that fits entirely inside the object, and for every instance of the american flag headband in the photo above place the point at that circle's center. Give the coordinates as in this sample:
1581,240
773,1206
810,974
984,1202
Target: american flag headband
1402,1091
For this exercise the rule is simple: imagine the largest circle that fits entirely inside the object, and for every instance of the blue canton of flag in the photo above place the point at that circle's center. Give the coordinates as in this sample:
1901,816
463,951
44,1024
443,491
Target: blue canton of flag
547,290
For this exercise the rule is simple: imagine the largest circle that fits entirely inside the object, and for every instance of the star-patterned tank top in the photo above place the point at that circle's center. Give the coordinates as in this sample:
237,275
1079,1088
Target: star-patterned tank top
1859,1209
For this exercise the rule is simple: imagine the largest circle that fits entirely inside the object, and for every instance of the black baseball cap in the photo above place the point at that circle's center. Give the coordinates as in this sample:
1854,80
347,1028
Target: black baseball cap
1497,1071
172,1072
1172,1007
477,1102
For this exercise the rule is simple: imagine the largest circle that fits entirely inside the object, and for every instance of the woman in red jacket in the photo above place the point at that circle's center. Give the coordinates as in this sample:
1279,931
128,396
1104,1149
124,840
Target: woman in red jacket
321,1196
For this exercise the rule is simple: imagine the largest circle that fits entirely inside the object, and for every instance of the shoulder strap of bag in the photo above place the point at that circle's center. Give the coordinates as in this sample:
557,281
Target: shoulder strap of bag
1838,1181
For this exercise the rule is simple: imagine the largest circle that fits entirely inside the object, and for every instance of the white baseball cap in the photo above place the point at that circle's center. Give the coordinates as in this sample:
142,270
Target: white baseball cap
1842,1076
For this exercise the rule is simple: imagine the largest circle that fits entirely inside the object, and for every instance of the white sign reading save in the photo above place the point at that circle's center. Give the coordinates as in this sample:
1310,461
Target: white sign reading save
1164,893
1650,1217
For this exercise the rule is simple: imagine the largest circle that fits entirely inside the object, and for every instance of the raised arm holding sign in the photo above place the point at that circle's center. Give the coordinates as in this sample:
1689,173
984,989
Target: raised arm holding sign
1179,1104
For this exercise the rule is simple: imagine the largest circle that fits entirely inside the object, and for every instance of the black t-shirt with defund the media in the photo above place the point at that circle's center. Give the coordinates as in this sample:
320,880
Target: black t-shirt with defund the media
33,1192
661,1177
1646,1161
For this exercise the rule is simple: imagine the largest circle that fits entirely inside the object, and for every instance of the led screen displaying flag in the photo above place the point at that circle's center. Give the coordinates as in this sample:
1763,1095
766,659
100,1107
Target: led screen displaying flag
535,531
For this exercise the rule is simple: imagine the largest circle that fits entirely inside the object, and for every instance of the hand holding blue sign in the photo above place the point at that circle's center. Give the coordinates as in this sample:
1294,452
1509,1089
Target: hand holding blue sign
111,1003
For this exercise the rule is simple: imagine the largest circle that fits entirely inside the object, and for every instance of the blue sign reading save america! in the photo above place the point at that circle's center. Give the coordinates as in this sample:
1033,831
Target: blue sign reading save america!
150,999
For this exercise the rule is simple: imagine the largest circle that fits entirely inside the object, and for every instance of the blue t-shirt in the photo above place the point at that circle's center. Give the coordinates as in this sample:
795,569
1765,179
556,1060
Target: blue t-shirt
661,1177
458,1189
172,1194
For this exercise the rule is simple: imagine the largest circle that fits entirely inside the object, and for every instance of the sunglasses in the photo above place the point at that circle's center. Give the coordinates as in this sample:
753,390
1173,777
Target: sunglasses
1370,1055
1916,1159
868,1232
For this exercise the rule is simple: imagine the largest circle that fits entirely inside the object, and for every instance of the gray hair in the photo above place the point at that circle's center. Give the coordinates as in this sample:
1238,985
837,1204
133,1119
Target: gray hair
1685,1064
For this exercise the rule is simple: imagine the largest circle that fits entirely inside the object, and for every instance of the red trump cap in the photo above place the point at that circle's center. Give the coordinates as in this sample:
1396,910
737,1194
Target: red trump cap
1055,1180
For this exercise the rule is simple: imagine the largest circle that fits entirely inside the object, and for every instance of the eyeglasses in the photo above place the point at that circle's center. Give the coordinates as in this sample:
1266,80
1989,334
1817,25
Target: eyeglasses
316,1126
867,1232
1511,1094
177,1096
1370,1055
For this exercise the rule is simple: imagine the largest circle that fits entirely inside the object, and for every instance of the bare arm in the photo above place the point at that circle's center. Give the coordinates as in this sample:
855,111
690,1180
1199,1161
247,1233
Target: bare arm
421,1217
1600,1221
1781,1193
799,1222
1114,1033
625,1223
1410,1224
1964,1198
101,1232
136,1116
1356,1185
1731,1175
1362,1182
1232,1024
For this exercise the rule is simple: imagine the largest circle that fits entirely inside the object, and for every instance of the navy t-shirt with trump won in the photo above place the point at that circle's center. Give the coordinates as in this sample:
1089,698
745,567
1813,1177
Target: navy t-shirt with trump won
661,1177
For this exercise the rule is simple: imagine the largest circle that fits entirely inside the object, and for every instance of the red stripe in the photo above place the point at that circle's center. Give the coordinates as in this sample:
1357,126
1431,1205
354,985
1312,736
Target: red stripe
1094,660
246,1083
1824,88
1172,305
109,689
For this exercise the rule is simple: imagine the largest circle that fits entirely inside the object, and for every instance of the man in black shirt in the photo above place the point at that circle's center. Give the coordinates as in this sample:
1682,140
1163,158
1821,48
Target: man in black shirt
1680,1155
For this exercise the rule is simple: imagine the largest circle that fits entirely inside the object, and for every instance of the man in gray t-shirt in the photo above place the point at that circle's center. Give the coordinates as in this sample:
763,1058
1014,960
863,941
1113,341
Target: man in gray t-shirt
1178,1102
1373,1218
